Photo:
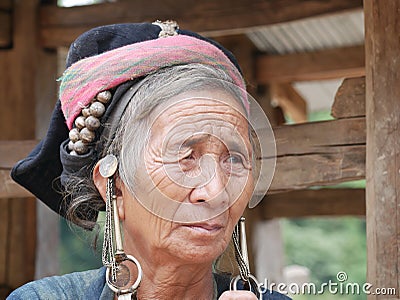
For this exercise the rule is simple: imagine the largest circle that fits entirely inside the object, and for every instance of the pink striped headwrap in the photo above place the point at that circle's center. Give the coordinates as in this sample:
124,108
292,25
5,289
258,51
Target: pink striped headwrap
82,81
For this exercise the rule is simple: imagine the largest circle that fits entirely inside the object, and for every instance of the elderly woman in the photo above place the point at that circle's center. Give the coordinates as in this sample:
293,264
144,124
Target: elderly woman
151,127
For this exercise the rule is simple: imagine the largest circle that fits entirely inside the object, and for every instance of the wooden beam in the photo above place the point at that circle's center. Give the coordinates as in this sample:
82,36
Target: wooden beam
9,188
306,203
319,65
335,165
292,103
350,99
308,158
13,151
60,26
383,144
10,153
319,137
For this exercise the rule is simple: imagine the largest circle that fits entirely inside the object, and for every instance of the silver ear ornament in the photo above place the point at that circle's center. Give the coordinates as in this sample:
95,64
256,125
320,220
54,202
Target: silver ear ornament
249,281
113,255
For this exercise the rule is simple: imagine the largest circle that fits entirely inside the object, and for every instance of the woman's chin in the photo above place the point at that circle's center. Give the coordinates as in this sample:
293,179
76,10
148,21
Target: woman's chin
198,244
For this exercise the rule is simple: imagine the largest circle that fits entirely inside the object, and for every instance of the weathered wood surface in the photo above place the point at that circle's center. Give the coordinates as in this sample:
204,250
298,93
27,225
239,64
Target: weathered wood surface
319,65
350,99
382,45
60,26
13,151
17,121
306,203
9,189
5,28
320,153
319,137
335,165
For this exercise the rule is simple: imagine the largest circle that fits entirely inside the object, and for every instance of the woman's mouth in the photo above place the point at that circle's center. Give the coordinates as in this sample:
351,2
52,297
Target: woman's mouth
205,228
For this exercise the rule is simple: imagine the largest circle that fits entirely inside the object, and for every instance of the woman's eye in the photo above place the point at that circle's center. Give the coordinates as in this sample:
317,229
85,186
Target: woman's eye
188,157
234,159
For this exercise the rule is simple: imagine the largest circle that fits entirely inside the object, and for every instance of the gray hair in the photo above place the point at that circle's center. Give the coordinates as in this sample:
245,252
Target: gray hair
133,128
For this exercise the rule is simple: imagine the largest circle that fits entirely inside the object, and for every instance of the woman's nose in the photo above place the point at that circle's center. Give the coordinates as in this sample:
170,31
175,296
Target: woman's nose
212,185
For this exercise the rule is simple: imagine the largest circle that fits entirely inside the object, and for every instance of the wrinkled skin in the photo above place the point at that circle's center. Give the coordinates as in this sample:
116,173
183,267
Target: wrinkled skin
192,188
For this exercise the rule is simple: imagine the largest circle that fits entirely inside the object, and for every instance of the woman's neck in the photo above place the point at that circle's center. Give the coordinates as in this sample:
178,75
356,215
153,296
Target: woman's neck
167,275
176,282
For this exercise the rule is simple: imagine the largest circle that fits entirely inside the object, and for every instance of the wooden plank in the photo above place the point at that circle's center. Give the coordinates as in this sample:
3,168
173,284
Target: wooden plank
335,165
13,151
306,203
350,99
5,29
60,26
9,188
291,102
383,144
319,137
327,64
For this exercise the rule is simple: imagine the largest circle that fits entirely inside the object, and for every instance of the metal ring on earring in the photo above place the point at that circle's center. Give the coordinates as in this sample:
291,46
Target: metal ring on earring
135,285
235,281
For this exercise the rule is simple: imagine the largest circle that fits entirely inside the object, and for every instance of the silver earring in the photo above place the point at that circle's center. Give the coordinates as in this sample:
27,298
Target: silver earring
113,255
245,280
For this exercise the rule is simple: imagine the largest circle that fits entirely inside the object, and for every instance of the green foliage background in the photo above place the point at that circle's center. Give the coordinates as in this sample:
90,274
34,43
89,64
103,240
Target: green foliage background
327,246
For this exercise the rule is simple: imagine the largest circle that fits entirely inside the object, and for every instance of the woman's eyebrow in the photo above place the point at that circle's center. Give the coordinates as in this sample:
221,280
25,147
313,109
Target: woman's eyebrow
194,140
230,144
236,147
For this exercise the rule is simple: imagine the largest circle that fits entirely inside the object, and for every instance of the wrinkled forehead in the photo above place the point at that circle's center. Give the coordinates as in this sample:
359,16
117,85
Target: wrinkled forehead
206,104
217,113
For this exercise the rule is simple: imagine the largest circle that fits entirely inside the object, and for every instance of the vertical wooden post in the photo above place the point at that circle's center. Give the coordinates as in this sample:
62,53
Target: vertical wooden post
382,27
17,121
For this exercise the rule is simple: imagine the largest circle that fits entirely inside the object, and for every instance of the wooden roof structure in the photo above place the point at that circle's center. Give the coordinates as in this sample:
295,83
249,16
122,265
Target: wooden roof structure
363,141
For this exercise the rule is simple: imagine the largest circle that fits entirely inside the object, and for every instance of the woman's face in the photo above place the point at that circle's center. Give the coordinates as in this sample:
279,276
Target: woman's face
195,181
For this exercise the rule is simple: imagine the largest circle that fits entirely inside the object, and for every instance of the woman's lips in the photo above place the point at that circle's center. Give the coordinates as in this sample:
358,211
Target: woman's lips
205,227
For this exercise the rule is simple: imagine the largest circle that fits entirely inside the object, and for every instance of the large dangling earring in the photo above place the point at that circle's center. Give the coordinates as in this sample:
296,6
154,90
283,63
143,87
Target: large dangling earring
117,275
245,280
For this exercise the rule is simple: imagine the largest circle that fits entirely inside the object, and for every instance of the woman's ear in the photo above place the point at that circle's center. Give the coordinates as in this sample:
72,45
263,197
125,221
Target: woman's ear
100,182
119,191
